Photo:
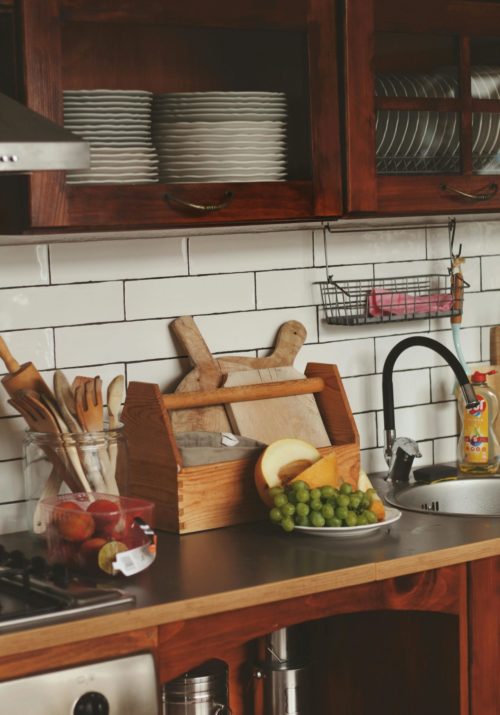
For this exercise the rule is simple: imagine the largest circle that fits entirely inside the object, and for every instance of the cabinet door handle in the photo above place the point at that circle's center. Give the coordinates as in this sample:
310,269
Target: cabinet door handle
176,201
493,188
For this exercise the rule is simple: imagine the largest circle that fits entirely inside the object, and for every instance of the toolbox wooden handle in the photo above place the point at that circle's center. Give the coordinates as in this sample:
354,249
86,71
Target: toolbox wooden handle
243,393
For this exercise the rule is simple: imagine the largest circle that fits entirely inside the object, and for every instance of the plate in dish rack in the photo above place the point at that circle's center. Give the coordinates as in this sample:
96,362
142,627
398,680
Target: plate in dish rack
391,517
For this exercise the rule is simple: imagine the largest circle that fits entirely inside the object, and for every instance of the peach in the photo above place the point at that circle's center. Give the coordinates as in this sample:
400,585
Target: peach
106,515
75,526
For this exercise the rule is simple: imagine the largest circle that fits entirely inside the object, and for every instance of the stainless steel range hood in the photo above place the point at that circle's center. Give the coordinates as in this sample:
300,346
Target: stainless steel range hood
31,142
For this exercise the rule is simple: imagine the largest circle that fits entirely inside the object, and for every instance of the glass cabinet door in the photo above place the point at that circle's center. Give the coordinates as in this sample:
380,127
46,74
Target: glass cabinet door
423,106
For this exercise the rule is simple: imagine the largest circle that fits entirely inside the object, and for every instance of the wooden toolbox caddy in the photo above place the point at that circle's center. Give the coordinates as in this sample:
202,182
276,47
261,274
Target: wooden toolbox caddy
209,496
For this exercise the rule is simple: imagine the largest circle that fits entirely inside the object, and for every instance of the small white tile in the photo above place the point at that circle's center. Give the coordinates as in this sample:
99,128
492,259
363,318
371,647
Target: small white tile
348,247
191,295
443,384
114,343
478,238
36,346
115,260
250,252
11,437
23,266
424,422
491,274
481,309
12,517
418,357
12,481
352,357
367,428
252,330
60,305
445,450
165,373
410,388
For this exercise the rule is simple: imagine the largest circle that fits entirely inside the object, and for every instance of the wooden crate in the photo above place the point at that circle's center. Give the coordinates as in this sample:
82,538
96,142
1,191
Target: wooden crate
209,496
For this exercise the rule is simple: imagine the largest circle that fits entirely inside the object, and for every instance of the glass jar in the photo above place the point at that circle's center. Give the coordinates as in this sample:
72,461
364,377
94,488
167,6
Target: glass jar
72,462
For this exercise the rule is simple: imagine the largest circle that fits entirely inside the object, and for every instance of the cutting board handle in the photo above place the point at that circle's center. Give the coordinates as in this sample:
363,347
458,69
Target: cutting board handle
243,393
10,362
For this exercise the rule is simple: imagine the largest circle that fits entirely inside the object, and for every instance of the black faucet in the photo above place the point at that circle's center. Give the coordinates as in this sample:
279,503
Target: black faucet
388,397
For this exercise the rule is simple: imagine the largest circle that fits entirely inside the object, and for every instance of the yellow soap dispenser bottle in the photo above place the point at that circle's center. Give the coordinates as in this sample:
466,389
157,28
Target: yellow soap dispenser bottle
478,449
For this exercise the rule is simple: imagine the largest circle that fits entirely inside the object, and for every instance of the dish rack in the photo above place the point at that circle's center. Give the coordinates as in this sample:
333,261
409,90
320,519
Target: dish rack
395,299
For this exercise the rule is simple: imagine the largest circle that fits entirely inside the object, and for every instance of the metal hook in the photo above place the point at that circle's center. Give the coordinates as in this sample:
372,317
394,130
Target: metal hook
452,224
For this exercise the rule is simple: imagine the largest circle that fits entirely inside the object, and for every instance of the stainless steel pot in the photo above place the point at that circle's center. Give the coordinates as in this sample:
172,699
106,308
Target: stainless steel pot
202,691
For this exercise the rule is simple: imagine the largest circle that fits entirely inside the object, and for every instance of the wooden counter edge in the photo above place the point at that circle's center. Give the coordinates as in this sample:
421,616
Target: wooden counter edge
131,619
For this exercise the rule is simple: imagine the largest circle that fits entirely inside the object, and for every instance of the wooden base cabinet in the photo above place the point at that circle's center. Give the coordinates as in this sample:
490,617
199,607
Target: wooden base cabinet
287,46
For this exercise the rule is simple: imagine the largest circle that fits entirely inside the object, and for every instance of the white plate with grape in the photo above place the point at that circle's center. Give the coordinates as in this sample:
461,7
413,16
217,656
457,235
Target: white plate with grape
392,516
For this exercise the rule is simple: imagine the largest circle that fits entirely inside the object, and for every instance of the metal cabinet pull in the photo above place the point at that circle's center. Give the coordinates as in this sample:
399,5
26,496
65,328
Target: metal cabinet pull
176,201
493,188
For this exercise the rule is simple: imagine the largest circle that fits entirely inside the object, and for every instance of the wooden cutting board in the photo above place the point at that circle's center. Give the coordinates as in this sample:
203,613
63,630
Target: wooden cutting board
207,373
277,418
495,345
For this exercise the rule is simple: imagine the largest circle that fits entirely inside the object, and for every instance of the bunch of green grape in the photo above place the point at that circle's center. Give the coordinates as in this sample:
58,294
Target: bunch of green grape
298,505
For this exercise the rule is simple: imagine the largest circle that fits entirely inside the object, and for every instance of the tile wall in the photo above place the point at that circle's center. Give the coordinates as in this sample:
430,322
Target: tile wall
105,308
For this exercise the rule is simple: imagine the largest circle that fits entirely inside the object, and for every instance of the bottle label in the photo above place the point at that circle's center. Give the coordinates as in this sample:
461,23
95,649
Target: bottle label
476,431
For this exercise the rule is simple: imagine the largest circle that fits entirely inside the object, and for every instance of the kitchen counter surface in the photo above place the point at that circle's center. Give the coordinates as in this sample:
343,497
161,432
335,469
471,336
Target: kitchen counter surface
226,569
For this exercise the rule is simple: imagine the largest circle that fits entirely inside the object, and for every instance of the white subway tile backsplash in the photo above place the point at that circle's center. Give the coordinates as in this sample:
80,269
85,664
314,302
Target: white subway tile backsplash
257,329
478,238
113,343
160,298
23,266
60,305
348,247
491,275
104,308
250,252
118,260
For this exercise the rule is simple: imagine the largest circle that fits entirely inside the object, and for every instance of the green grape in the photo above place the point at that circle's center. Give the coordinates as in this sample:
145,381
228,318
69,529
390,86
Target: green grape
351,519
288,524
365,502
280,500
354,502
302,509
327,492
303,495
342,500
341,512
288,510
274,491
297,486
359,493
328,511
346,488
315,494
372,518
275,515
292,496
334,522
316,504
335,493
361,520
371,493
301,520
317,519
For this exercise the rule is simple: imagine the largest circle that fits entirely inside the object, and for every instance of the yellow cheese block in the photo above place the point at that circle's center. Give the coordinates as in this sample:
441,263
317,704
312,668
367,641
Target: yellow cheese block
321,473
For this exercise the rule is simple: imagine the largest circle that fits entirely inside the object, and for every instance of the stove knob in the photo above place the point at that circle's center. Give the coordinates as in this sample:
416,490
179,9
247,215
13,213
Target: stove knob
91,703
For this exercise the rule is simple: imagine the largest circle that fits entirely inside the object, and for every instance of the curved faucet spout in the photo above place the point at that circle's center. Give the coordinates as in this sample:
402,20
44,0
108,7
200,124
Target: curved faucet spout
387,387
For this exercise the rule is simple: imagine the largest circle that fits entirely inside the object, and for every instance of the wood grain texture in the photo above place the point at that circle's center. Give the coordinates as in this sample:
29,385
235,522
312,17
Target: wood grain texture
495,345
295,416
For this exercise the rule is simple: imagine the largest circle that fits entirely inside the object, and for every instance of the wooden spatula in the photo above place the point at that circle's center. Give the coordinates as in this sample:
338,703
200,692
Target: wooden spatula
21,377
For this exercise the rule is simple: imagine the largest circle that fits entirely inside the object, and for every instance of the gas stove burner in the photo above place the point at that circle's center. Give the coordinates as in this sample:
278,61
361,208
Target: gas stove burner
32,592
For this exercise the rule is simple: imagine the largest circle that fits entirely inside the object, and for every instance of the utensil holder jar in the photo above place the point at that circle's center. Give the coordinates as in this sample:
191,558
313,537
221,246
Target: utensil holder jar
72,462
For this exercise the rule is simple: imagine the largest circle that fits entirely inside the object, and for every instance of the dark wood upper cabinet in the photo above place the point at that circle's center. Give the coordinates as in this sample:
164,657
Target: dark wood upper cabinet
422,103
286,46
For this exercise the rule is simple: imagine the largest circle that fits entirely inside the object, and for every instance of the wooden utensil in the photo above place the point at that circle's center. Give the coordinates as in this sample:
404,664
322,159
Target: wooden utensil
114,401
207,372
295,416
21,377
66,401
88,404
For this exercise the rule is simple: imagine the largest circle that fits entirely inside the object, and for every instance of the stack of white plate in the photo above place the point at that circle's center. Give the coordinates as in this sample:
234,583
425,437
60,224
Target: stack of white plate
220,136
117,125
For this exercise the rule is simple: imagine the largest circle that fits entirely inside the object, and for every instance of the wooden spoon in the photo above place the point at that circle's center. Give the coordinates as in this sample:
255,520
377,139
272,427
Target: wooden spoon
114,400
20,377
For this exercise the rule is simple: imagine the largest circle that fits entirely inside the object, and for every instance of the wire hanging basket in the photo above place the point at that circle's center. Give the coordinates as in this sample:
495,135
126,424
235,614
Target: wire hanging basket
395,299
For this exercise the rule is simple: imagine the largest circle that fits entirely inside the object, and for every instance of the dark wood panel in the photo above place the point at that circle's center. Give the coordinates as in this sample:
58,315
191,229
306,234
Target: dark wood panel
459,16
184,644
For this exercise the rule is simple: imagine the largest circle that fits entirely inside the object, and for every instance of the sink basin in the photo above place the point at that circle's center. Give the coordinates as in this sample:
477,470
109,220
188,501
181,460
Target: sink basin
460,497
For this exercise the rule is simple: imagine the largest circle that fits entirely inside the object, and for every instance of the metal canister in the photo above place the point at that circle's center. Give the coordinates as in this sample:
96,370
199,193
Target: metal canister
201,691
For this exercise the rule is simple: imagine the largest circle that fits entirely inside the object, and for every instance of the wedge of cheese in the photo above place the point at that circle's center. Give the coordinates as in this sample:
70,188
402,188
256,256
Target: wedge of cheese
321,473
377,505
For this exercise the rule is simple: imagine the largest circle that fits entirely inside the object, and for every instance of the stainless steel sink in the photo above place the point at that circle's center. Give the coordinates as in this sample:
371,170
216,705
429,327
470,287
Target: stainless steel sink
460,497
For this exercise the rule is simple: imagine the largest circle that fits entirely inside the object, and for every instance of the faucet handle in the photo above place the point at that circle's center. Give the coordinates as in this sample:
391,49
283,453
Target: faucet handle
404,451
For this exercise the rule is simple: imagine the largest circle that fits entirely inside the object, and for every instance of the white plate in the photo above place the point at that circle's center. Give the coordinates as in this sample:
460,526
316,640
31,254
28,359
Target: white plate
216,116
107,93
182,95
220,179
391,516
